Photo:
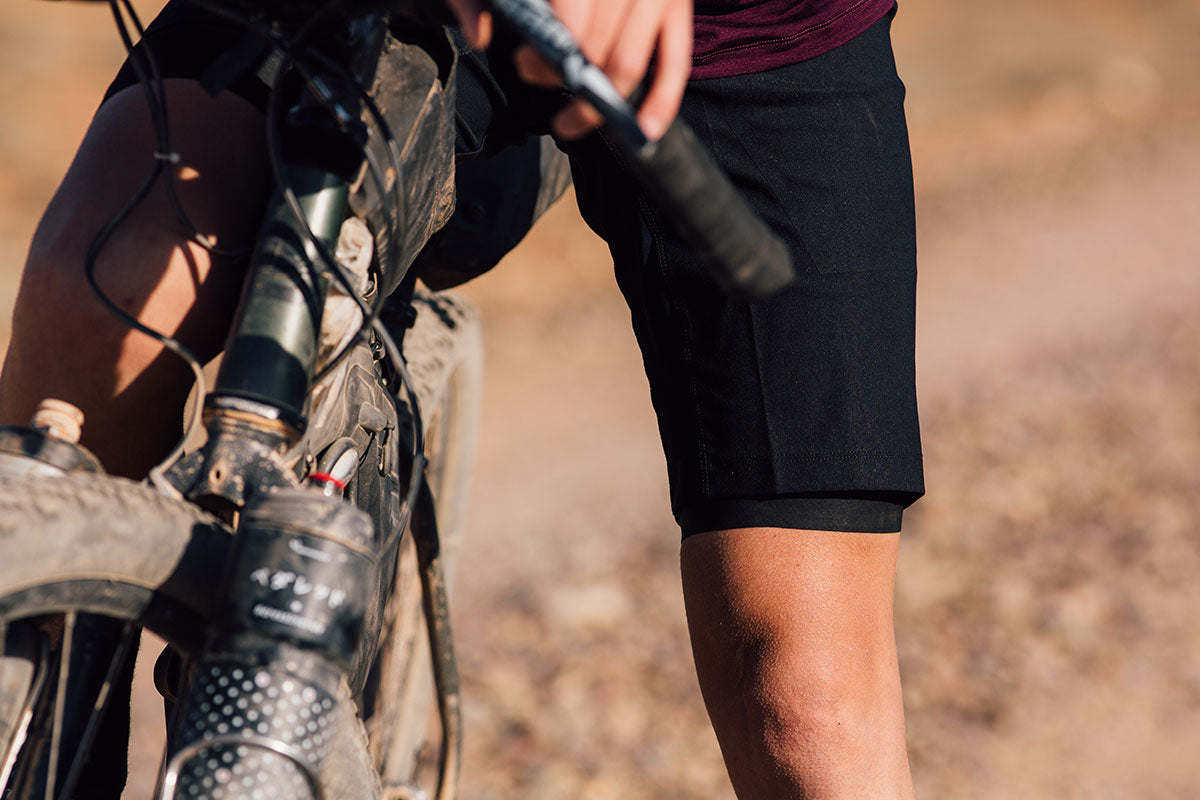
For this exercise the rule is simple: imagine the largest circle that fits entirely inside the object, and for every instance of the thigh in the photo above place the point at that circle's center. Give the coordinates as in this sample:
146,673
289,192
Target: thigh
148,266
799,411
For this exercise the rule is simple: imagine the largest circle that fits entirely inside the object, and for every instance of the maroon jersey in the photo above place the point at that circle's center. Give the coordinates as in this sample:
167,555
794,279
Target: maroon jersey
735,37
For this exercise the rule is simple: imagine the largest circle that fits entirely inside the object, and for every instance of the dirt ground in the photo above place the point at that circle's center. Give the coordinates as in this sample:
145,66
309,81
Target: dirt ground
1046,598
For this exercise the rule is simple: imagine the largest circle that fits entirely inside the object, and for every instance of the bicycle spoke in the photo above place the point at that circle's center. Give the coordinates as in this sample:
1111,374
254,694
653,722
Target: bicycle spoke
36,686
120,652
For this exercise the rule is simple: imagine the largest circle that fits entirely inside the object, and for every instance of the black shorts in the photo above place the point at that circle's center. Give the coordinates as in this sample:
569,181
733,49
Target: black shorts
797,412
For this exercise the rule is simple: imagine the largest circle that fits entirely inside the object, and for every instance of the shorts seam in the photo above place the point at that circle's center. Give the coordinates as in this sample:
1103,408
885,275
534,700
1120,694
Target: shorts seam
677,308
701,433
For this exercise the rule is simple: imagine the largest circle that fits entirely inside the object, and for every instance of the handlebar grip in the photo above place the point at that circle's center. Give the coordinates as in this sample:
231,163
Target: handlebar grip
697,197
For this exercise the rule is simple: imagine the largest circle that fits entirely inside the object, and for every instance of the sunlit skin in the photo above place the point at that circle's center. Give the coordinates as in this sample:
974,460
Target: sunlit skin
791,630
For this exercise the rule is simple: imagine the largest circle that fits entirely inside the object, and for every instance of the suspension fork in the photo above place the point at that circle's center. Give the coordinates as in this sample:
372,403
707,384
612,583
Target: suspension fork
299,578
270,356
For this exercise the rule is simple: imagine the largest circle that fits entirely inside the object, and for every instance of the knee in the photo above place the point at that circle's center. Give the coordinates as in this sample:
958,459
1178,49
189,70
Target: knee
68,345
797,659
799,706
64,338
146,268
60,334
820,726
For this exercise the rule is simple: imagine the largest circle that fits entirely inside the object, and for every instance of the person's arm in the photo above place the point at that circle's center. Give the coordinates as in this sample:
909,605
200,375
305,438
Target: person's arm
619,36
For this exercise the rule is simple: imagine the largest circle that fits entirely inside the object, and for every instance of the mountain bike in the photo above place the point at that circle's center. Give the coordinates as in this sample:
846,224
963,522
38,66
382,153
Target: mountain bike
296,561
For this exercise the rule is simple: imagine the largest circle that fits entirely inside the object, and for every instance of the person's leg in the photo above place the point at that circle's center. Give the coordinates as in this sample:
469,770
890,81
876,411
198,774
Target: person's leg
789,425
67,346
64,343
792,635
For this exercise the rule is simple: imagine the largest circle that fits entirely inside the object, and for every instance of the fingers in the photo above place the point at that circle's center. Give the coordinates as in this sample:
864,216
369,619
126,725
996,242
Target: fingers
621,38
578,17
629,57
603,28
532,68
476,23
672,67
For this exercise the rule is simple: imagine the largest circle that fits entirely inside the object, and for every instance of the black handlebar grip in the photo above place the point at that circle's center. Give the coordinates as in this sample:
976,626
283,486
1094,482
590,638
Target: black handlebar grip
706,209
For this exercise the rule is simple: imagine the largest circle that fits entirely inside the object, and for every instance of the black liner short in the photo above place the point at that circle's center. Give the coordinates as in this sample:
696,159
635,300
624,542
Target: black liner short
797,412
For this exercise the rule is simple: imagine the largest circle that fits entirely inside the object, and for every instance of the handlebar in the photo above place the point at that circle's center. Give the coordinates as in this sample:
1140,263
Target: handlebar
706,209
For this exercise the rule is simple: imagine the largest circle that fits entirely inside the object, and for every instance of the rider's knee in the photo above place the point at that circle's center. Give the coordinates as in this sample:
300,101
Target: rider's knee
55,297
796,707
808,717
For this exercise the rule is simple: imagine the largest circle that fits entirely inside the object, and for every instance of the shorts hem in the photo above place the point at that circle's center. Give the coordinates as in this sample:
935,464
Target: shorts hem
850,512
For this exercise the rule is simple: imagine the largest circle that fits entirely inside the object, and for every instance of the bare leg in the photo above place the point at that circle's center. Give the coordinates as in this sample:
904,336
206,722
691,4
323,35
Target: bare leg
795,650
64,343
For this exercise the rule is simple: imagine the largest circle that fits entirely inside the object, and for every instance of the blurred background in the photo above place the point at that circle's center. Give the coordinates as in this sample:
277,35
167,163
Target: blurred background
1047,595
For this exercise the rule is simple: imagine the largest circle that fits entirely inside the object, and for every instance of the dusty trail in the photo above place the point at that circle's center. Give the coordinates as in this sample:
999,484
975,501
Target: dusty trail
1036,262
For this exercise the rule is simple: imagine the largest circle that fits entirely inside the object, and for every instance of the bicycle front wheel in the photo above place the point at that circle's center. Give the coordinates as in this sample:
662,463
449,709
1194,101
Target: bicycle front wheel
94,544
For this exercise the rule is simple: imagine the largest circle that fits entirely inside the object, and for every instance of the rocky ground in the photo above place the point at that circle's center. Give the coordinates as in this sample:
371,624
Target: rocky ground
1046,598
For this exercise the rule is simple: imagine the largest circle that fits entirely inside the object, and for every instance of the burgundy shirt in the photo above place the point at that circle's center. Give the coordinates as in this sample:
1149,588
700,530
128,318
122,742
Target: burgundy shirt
735,37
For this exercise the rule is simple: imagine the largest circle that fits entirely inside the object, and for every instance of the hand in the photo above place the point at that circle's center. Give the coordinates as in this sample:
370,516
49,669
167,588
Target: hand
619,36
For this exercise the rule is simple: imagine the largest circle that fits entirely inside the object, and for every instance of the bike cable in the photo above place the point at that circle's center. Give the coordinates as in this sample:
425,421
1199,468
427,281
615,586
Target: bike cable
157,111
149,76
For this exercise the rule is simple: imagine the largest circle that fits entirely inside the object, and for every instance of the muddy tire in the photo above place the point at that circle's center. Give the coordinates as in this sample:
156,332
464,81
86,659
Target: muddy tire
103,545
